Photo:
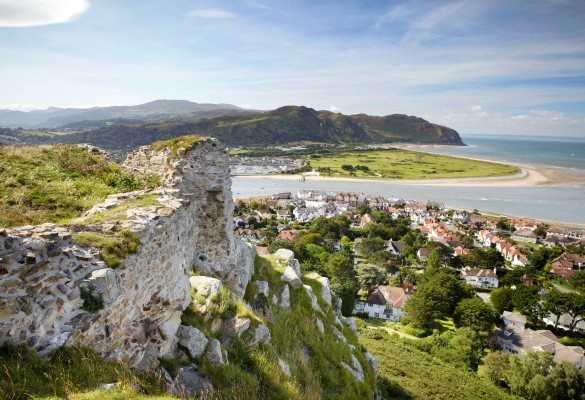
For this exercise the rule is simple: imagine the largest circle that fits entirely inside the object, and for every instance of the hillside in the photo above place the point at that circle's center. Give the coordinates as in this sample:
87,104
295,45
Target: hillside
285,125
158,110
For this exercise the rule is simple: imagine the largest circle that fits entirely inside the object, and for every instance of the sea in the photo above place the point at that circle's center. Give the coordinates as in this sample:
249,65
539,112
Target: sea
563,204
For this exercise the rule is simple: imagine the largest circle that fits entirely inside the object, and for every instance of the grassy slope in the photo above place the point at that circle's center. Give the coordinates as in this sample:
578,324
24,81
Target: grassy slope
52,183
408,373
404,164
314,358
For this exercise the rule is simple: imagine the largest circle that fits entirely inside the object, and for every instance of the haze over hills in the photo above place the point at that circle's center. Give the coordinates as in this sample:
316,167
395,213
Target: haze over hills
131,127
158,110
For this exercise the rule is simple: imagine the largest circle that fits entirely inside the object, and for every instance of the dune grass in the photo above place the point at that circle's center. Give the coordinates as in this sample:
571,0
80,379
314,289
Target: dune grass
405,164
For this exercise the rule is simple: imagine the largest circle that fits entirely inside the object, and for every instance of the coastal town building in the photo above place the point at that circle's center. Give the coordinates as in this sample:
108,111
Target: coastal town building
481,278
383,302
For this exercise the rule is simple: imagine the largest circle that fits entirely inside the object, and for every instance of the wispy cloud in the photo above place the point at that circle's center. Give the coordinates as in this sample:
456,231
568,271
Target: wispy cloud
210,14
21,107
424,27
26,13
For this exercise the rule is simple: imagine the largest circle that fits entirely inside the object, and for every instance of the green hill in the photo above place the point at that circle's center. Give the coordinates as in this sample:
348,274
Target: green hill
285,125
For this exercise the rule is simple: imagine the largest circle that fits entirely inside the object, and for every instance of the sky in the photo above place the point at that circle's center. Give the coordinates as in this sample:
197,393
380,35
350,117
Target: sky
480,67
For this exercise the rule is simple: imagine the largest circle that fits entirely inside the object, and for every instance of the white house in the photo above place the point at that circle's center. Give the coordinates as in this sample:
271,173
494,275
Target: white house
384,302
485,278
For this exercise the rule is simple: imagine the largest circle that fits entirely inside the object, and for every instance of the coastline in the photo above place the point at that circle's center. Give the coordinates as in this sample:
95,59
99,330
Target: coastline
530,175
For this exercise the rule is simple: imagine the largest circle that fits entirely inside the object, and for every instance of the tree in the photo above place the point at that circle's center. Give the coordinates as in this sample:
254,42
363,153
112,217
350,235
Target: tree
557,303
576,309
526,376
577,280
495,367
475,314
527,301
502,299
368,246
343,279
424,306
370,275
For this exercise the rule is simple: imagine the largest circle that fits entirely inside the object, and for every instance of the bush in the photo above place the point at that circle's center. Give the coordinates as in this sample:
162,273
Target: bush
91,303
411,330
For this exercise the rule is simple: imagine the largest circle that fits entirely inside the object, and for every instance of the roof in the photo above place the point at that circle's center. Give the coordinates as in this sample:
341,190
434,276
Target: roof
525,233
527,339
387,294
484,273
511,316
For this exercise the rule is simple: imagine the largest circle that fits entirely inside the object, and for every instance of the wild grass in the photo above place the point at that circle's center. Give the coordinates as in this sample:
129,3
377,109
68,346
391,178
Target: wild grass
71,372
114,247
181,142
405,164
52,183
409,373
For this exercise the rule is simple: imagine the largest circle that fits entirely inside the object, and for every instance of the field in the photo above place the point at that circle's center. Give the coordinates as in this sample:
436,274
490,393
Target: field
404,164
408,373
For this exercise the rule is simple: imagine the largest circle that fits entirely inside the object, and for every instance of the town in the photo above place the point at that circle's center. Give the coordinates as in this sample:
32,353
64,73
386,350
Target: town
386,257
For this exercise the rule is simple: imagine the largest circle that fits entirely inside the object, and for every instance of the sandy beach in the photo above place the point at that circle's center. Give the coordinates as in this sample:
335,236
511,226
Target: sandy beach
529,176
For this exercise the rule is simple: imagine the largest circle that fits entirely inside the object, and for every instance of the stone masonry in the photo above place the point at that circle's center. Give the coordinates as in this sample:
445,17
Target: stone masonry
43,268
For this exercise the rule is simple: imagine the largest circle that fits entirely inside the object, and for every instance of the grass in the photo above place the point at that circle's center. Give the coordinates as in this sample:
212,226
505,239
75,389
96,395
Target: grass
409,373
52,183
114,247
405,164
181,142
70,373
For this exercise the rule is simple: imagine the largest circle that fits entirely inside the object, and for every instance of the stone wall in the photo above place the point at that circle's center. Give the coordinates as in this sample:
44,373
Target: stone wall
43,268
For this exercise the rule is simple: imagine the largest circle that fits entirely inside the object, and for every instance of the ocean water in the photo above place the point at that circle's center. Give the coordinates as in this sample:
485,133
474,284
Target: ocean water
564,204
548,151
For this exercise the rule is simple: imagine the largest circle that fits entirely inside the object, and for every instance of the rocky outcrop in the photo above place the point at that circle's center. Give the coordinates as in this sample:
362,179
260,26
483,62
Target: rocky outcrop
43,269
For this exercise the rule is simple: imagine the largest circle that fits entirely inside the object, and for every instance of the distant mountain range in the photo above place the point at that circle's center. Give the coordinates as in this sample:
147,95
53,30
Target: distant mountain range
158,110
130,127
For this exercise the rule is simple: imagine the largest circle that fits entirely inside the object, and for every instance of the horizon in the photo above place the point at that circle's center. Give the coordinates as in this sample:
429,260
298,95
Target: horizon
472,66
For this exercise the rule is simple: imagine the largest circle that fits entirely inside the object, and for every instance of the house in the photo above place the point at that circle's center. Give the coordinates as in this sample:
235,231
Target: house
284,215
384,302
395,247
423,253
511,318
461,217
567,264
524,235
485,278
366,219
460,251
518,341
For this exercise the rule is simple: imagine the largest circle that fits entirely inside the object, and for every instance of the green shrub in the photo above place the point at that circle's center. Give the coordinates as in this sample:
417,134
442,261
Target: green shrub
91,303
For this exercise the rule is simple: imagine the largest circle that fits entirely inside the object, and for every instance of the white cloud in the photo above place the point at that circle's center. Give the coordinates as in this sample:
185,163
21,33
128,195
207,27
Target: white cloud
210,14
24,13
334,109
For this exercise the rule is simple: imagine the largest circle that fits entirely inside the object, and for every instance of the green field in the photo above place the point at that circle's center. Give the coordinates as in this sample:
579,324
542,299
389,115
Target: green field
409,373
405,164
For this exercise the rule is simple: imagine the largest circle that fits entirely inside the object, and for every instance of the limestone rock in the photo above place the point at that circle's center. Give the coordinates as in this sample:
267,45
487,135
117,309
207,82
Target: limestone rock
290,276
285,297
214,353
261,336
325,289
205,285
242,325
338,334
190,383
284,367
193,339
350,322
373,361
262,287
314,302
287,256
104,282
319,325
355,369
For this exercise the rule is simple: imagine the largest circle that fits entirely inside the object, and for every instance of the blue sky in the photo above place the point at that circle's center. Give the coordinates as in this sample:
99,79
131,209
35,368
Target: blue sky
502,67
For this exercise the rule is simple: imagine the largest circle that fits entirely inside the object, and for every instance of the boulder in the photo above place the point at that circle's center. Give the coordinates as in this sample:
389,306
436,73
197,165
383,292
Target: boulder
190,383
262,287
205,285
314,302
284,367
290,276
325,289
214,353
192,339
338,334
261,336
356,369
287,256
285,297
373,361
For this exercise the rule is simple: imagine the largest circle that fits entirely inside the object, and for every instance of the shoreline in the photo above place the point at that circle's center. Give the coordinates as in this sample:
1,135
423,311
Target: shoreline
530,175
